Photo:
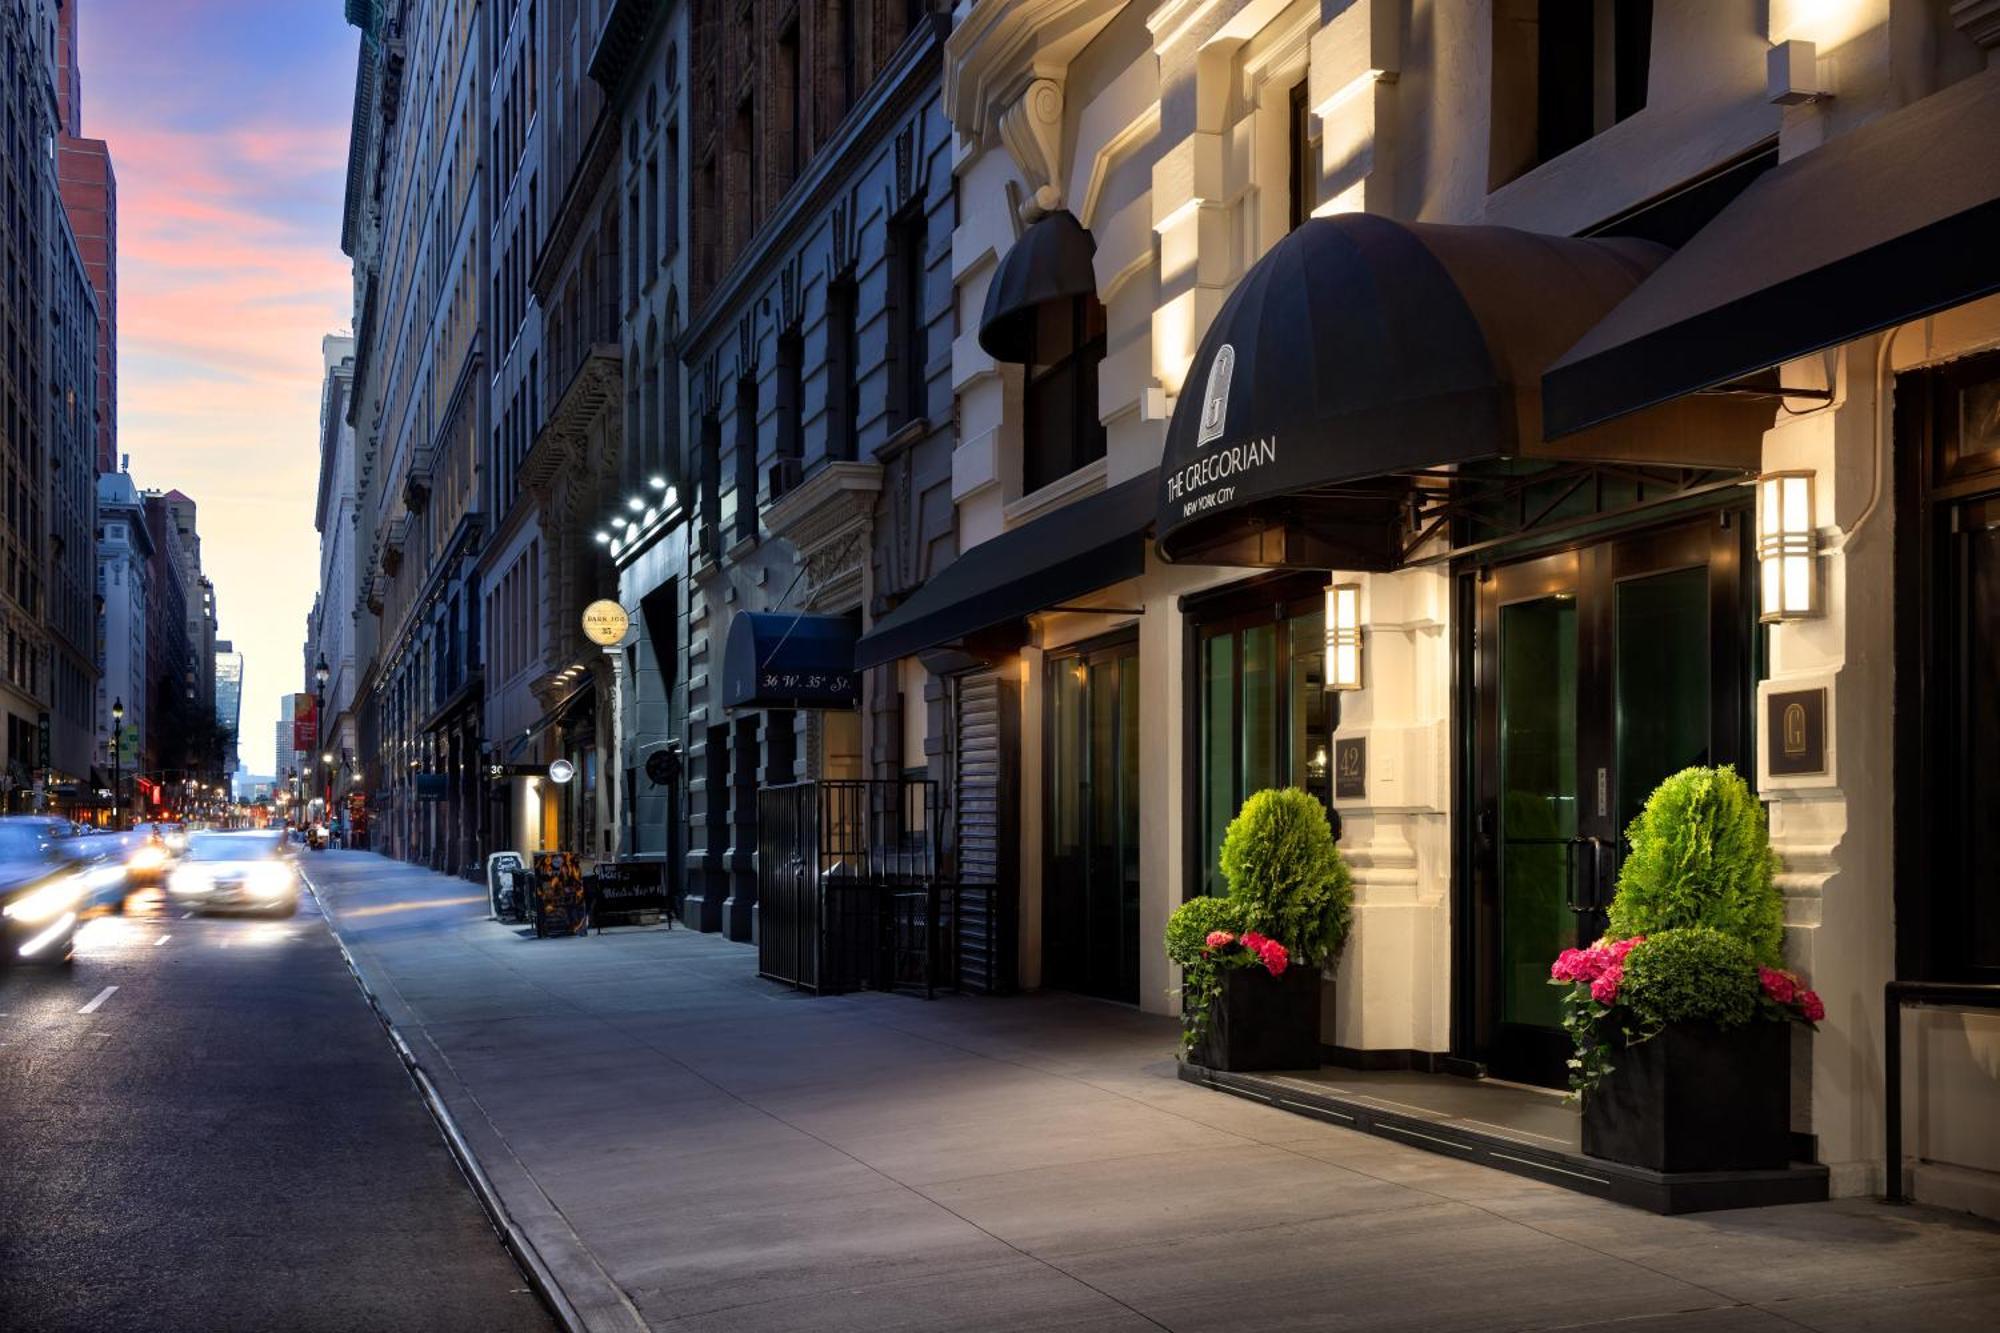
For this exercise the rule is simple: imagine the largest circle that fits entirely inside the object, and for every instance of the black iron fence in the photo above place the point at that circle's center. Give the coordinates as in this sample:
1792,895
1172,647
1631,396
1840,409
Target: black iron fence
848,890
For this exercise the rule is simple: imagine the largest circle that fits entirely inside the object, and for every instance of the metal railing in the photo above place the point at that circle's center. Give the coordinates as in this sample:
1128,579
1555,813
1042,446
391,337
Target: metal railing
848,891
1895,995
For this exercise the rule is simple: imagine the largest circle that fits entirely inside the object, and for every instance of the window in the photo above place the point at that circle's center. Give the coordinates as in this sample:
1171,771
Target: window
791,100
670,206
1060,430
909,259
790,389
1564,71
1265,718
843,396
746,457
1300,157
709,533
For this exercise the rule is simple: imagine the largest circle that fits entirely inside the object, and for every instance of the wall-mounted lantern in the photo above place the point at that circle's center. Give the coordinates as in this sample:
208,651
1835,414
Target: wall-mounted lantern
1787,543
1343,636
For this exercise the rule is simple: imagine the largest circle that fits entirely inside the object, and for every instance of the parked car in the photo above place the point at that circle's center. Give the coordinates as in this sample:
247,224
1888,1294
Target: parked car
254,871
44,890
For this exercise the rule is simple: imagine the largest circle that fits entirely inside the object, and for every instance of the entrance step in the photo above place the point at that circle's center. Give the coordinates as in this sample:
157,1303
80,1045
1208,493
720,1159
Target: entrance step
1522,1131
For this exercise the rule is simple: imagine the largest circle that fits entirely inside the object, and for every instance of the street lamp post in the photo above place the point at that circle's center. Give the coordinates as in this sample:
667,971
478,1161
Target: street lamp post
320,675
117,760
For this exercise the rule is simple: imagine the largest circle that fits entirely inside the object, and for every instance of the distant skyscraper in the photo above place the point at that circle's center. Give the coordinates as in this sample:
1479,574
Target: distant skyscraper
229,698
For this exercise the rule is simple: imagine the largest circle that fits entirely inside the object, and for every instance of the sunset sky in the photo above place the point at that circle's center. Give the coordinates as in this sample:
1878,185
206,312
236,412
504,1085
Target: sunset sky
227,121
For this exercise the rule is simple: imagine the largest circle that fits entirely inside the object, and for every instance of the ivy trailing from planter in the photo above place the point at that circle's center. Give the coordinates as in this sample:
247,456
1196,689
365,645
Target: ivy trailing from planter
1290,902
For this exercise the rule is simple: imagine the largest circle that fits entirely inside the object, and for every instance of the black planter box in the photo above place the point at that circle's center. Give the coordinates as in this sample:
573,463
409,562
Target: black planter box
1263,1022
1696,1098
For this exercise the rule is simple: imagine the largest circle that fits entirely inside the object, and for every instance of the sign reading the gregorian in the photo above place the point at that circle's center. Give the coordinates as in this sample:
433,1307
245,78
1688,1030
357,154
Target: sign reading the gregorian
605,623
1196,486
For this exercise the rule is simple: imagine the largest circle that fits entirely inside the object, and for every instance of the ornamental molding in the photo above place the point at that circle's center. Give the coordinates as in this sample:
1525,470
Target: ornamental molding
1001,47
1032,129
829,519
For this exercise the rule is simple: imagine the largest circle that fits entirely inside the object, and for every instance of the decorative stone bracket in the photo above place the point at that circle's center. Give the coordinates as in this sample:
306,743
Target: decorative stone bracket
1031,128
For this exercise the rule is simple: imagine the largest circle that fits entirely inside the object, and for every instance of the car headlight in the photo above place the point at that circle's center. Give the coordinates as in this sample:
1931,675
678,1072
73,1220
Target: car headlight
189,879
177,841
269,878
148,857
46,903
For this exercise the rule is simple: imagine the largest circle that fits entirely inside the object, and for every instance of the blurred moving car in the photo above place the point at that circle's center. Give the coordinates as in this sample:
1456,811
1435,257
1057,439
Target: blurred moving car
173,837
44,889
253,870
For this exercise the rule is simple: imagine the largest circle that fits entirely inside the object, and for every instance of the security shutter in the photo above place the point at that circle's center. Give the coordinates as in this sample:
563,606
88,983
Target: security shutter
987,757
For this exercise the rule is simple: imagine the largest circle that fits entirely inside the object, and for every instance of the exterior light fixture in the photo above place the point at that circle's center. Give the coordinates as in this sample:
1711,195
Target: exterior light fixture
1787,542
601,536
1791,74
635,504
651,514
1343,636
657,483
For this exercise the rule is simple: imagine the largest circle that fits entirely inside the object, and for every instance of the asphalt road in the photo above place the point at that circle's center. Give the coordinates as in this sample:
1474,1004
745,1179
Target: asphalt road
203,1126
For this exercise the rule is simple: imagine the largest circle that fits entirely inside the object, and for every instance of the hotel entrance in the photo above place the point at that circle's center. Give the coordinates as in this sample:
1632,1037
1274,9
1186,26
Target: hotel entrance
1595,672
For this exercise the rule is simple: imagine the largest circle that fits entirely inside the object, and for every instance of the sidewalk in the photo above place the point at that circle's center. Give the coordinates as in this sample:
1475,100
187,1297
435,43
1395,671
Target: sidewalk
690,1147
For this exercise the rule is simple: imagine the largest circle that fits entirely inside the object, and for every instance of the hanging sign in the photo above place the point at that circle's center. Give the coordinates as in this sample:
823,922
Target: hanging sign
605,623
561,771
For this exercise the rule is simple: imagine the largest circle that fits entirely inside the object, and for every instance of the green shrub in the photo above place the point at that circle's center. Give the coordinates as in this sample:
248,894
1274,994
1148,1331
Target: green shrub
1188,927
1287,876
1701,856
1691,975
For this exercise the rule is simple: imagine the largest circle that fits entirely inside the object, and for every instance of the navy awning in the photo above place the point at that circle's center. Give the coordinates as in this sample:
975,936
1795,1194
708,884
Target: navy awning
1085,545
788,659
1882,225
1051,262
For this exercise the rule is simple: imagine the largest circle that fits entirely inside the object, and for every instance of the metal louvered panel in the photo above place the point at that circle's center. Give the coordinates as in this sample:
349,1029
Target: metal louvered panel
987,721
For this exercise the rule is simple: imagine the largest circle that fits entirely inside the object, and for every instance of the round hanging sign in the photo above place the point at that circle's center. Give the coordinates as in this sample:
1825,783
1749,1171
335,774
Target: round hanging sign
561,771
605,622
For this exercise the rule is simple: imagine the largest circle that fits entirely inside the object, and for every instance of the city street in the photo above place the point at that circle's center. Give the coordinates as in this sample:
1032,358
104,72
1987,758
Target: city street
689,1146
203,1126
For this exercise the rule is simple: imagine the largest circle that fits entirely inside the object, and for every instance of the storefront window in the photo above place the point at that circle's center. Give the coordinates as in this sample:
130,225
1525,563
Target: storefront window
1266,719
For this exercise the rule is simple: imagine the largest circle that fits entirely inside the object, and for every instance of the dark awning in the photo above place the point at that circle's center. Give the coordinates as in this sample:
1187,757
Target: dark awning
563,709
1359,348
787,659
1882,225
1050,262
1079,548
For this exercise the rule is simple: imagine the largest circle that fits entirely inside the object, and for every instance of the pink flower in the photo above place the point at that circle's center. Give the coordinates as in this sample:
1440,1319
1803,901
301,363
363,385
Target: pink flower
1604,989
1274,957
1255,942
1780,986
1217,939
1809,1002
1570,965
1619,948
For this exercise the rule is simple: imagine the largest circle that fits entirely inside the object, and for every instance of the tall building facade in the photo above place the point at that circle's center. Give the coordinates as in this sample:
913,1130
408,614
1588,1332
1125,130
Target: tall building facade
125,594
90,198
510,570
334,517
819,423
47,467
416,225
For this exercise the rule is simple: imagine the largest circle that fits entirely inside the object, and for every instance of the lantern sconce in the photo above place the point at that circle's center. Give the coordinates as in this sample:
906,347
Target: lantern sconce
1787,544
1343,636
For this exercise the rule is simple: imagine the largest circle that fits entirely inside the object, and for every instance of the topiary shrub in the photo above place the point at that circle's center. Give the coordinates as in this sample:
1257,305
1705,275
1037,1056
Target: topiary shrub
1691,975
1701,856
1192,922
1287,876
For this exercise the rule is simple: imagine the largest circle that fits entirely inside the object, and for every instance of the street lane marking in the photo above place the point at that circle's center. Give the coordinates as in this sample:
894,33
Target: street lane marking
102,996
187,916
162,940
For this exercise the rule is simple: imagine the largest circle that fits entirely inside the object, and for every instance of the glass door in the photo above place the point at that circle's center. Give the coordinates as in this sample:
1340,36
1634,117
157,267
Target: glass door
1090,888
1598,673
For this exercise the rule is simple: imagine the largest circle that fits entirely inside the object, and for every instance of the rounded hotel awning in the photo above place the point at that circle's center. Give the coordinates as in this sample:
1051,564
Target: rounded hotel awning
1050,262
789,659
1360,350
